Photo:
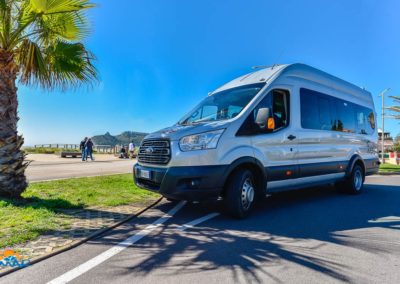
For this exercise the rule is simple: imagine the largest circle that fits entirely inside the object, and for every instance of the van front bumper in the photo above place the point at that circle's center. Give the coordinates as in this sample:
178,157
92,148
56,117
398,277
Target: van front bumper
183,183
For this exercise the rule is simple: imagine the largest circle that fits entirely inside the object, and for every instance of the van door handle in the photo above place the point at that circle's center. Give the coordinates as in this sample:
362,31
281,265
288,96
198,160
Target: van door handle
291,137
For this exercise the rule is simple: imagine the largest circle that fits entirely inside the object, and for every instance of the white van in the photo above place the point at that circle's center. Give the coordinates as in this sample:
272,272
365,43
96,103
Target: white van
279,128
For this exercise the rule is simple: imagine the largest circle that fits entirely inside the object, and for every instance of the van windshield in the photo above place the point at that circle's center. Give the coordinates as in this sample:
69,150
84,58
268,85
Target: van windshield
222,105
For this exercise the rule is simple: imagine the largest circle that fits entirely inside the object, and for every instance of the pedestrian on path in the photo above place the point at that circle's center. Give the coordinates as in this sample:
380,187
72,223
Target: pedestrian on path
132,149
89,149
122,153
82,147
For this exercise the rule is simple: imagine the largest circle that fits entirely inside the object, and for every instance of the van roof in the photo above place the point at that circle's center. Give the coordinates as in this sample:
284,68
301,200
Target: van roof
297,71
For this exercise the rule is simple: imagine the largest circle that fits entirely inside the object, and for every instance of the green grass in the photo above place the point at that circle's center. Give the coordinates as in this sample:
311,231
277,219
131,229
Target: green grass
22,222
389,168
43,204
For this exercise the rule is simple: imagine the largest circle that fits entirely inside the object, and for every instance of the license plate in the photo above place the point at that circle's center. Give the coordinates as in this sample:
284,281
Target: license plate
145,174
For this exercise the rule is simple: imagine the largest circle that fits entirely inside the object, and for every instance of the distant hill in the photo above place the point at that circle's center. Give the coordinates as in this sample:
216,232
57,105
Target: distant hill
124,138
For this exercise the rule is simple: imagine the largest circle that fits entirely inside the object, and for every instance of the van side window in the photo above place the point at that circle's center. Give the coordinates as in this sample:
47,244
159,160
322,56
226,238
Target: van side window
365,120
371,119
361,120
309,111
325,117
280,109
316,111
345,119
278,103
324,112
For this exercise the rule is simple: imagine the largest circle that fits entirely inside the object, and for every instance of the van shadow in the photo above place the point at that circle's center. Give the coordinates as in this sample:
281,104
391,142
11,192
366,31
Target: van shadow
290,227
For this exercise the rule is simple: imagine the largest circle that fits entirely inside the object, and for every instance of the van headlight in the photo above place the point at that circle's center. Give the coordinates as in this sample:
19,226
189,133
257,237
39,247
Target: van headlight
201,141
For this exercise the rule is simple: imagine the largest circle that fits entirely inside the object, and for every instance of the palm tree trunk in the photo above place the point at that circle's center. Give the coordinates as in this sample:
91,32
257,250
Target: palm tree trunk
12,166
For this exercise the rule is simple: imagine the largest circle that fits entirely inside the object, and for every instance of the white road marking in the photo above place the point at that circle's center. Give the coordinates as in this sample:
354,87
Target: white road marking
197,221
388,219
91,263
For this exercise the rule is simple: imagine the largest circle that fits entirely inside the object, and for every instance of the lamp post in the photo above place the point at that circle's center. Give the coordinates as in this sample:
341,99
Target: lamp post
382,94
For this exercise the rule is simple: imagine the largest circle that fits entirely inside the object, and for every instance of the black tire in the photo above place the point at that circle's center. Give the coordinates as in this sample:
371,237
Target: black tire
340,186
171,199
239,193
355,182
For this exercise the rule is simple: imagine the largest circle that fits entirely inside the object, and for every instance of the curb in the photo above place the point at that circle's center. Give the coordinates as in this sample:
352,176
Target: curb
388,174
88,238
41,163
90,176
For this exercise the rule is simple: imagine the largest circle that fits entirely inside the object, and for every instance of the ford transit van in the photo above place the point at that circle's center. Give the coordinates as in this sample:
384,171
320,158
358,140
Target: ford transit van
279,128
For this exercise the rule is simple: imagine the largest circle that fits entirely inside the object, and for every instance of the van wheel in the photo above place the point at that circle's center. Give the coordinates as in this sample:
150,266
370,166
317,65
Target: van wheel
240,193
354,184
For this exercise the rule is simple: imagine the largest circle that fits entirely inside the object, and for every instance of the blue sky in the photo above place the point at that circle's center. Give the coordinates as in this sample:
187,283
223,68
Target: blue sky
158,58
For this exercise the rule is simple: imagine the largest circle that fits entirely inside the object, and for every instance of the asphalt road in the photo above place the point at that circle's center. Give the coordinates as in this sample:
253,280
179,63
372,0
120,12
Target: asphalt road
310,236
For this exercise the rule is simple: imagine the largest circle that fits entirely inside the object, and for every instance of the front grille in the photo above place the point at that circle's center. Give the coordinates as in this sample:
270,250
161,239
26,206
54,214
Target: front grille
156,152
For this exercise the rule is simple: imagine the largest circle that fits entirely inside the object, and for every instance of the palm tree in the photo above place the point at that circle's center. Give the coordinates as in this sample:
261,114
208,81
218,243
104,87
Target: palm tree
40,45
395,108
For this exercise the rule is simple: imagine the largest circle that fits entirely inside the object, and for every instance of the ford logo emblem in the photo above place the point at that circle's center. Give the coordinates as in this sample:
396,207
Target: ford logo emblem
149,150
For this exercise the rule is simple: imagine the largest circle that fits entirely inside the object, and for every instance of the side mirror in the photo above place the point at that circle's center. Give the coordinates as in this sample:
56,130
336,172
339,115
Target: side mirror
263,119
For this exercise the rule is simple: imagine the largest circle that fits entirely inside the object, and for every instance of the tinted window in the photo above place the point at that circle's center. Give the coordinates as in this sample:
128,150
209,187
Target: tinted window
371,119
280,109
365,120
320,111
325,120
345,116
278,101
309,110
316,110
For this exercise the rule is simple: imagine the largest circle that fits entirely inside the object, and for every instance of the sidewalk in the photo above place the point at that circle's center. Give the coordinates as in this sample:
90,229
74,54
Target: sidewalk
39,159
50,167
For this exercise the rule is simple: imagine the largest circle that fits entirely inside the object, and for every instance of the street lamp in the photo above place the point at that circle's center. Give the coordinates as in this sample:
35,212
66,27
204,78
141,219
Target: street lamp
382,94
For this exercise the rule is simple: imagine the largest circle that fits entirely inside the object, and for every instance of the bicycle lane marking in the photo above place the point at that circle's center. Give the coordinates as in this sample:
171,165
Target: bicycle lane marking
197,221
91,263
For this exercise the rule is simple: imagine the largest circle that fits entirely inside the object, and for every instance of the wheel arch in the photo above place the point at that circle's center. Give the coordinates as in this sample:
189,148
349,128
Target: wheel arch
355,159
251,163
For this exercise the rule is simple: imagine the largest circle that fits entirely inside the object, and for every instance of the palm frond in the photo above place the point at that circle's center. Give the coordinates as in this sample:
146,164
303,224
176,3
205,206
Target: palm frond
58,66
5,21
45,40
51,20
32,64
395,98
65,26
3,6
24,19
394,108
71,64
48,7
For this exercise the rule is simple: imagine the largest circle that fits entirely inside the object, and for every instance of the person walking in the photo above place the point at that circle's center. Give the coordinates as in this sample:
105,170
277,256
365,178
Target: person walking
89,149
131,149
82,147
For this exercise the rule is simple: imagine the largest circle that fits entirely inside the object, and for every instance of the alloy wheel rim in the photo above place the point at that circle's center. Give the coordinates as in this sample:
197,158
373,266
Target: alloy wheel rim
247,194
357,180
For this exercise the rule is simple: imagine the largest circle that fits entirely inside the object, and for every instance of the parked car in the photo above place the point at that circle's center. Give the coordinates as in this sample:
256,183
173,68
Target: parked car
279,128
